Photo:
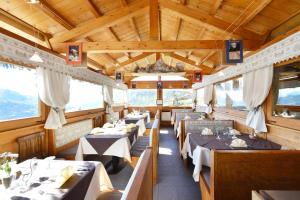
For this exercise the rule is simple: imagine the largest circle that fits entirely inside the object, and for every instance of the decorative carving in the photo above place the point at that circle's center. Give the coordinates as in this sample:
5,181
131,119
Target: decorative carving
159,67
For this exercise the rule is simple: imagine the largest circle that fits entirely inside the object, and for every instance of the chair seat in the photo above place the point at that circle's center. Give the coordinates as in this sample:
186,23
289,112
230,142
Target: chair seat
110,195
139,146
68,153
149,125
205,172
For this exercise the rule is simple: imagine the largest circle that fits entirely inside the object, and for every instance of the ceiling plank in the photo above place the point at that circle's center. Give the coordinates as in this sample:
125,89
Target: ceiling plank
205,69
22,26
95,64
199,36
155,46
216,5
48,10
134,59
199,16
252,10
154,20
110,19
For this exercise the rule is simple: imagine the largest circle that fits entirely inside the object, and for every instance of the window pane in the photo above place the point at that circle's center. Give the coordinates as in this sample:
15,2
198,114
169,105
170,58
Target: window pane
84,96
286,91
142,97
18,93
177,97
118,96
230,94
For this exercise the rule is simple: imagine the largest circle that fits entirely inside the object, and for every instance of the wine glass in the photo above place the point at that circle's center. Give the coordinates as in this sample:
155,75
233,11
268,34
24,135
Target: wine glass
218,131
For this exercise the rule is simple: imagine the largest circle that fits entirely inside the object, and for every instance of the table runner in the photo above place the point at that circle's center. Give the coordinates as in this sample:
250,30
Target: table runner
199,147
88,180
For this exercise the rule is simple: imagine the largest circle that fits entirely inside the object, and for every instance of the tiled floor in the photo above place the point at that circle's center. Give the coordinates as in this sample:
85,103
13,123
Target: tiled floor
175,182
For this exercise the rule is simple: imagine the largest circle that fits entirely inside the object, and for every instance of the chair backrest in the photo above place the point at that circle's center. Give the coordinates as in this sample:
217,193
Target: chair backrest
140,185
154,143
196,126
234,174
31,146
174,111
193,116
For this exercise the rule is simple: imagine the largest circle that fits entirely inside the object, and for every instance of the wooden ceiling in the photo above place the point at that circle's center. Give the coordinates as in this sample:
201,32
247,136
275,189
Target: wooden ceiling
120,34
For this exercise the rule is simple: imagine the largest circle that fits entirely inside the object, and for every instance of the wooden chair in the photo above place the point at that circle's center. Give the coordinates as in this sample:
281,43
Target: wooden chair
235,174
140,185
31,146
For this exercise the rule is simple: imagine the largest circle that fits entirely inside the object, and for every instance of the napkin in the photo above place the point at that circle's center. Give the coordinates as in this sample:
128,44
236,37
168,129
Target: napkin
187,117
97,130
126,130
234,132
131,125
200,118
238,143
64,175
108,125
206,131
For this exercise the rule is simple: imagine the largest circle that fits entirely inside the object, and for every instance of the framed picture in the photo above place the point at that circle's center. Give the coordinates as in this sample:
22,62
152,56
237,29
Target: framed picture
159,85
159,102
185,84
119,76
133,85
74,53
197,76
234,51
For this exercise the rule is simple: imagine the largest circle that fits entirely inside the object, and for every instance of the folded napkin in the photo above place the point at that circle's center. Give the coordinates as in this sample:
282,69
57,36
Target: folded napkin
131,125
187,117
234,132
97,130
238,143
207,131
64,175
126,130
200,118
145,115
108,125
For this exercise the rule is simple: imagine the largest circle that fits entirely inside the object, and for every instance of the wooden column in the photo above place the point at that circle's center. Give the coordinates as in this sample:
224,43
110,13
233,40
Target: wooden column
159,94
154,20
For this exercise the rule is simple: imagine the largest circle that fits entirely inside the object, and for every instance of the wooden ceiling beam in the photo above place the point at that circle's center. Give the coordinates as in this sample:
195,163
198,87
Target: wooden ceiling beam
155,46
95,64
22,26
134,59
205,69
154,20
215,6
252,10
95,25
199,16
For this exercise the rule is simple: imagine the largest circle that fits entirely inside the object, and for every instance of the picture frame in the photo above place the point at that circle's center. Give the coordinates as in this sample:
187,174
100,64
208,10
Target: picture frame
74,53
234,51
119,76
133,85
197,76
159,85
159,102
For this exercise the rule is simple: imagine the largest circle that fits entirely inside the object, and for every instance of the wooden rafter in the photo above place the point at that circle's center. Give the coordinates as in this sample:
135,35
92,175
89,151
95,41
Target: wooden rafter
95,25
95,64
23,26
199,36
205,69
134,59
199,16
155,46
215,6
154,20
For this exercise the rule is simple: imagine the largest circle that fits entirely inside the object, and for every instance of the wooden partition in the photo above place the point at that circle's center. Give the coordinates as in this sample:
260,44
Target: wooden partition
234,174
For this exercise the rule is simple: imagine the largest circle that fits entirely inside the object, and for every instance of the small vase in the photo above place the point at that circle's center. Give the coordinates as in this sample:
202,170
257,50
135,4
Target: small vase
7,181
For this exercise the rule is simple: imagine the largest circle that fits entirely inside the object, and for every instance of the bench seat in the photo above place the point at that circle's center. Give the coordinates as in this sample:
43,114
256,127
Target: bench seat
149,125
68,153
139,146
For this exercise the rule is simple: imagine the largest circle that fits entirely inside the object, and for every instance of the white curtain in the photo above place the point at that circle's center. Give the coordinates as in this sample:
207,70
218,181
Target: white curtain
194,97
255,90
54,91
108,98
207,98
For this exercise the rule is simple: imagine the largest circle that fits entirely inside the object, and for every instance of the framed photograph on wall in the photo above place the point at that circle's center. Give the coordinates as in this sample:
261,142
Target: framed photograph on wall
197,76
159,85
74,54
234,51
159,102
133,85
119,76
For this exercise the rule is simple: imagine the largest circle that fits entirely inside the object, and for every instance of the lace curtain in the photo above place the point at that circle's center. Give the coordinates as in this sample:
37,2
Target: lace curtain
207,98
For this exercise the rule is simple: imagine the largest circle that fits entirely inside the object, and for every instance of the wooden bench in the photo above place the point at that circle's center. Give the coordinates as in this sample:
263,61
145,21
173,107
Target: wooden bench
235,174
141,144
140,185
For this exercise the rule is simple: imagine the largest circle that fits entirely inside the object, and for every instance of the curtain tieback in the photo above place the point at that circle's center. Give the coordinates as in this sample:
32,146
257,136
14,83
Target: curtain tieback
56,109
255,109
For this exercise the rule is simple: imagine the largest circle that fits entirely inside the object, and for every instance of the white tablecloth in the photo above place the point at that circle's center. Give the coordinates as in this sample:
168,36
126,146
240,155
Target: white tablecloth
120,148
142,127
99,182
200,156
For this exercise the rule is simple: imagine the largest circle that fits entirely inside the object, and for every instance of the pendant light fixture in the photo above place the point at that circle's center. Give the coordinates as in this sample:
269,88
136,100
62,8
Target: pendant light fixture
33,1
36,56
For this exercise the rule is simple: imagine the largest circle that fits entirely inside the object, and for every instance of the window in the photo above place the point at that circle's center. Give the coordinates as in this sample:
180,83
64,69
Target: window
119,96
142,97
229,94
286,91
18,93
84,96
177,97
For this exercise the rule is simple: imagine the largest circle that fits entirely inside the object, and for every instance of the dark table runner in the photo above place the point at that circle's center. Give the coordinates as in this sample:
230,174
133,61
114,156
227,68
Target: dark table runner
102,142
210,142
79,183
134,120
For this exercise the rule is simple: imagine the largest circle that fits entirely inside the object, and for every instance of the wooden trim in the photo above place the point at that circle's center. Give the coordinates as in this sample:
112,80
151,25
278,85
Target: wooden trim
83,112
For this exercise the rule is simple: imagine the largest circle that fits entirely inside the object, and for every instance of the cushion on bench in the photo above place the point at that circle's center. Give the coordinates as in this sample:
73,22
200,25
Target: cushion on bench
205,172
110,195
68,153
149,125
139,146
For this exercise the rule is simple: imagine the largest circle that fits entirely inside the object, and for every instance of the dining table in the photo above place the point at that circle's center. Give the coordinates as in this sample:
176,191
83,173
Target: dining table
135,117
198,147
47,179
